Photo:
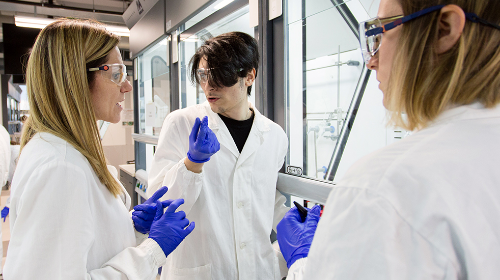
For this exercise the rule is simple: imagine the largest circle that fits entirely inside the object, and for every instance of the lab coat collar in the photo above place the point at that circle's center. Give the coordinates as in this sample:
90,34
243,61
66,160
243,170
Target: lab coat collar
214,120
471,111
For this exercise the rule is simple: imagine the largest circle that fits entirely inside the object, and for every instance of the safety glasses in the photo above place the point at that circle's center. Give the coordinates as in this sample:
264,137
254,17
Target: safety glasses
117,73
203,75
371,31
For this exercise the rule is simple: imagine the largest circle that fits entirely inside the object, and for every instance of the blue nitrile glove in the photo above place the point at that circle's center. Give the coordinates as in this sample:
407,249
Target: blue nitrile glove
295,237
170,228
202,142
145,213
5,213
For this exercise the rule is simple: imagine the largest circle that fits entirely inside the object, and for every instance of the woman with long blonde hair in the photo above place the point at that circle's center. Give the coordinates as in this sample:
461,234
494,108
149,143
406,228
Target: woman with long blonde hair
428,206
69,214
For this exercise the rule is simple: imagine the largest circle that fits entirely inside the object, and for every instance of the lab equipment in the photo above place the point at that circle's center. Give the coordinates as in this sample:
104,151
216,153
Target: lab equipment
294,236
5,213
156,111
145,213
202,142
170,228
302,210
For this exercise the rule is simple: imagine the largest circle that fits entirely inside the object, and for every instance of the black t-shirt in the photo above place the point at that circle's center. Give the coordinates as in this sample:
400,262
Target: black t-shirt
239,130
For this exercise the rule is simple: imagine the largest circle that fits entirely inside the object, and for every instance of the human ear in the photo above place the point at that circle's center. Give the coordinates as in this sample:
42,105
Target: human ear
250,78
451,24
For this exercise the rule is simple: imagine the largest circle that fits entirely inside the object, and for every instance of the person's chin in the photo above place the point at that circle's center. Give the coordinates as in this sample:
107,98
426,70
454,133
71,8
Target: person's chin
214,108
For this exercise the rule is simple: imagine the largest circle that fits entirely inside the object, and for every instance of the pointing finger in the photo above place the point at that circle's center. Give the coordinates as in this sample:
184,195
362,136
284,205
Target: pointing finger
174,205
159,193
167,202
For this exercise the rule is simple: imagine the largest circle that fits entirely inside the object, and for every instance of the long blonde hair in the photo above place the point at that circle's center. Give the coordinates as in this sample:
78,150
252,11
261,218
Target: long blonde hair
58,86
423,84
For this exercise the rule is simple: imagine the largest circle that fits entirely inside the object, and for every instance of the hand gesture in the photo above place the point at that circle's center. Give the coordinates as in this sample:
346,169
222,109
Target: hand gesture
145,213
202,142
294,236
170,228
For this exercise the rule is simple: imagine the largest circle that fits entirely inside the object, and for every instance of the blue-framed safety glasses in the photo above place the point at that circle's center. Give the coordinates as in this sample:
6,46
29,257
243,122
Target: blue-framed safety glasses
117,73
371,31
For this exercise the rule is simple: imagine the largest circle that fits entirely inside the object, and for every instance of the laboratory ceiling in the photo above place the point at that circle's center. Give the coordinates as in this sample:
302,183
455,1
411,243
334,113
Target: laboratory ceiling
108,11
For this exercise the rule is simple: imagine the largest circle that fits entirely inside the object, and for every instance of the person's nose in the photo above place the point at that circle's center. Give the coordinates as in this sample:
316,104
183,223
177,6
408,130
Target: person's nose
126,86
207,87
373,63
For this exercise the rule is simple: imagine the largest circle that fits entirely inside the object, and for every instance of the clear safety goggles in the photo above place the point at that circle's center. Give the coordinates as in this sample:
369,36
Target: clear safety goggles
203,74
117,73
371,31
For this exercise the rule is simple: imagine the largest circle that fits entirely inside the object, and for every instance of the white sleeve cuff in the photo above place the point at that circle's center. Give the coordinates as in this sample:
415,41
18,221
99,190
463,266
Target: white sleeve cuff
296,271
151,246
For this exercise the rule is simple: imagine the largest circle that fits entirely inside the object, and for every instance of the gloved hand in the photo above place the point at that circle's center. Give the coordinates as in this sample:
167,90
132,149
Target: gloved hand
5,213
145,213
294,236
170,228
202,142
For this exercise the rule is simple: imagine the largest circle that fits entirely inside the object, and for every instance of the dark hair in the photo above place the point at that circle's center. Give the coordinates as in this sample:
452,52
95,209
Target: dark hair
229,56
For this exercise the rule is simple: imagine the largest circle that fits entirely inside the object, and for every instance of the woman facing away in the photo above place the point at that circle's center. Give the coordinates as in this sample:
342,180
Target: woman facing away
69,213
428,206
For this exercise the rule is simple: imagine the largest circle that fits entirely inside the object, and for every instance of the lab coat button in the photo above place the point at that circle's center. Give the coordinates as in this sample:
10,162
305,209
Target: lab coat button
240,204
242,245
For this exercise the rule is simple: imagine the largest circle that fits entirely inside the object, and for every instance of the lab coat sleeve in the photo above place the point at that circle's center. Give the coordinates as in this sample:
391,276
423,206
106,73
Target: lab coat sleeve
296,271
168,168
279,209
54,230
279,202
361,235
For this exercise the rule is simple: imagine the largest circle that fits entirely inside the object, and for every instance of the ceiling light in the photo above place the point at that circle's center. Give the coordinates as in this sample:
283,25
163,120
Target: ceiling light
42,22
222,4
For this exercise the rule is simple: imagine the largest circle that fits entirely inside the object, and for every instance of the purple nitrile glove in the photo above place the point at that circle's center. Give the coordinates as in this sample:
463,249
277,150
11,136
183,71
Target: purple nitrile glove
294,236
5,213
170,228
145,213
202,142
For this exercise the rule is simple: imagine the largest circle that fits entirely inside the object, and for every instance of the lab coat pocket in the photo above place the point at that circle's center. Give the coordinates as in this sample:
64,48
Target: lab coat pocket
195,273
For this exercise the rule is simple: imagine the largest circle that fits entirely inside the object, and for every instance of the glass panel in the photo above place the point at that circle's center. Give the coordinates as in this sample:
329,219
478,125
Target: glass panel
324,66
154,87
192,94
324,70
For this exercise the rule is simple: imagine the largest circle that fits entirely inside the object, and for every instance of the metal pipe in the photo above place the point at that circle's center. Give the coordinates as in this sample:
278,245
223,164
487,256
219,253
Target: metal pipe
348,123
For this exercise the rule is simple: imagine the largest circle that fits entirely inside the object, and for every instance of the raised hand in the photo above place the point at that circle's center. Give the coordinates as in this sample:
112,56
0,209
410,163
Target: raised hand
202,142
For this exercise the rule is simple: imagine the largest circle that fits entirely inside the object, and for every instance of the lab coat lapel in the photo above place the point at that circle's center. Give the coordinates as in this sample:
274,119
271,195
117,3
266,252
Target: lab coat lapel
255,138
219,128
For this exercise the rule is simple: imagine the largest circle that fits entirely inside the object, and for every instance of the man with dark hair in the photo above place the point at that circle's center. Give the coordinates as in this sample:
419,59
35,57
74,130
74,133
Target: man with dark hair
225,167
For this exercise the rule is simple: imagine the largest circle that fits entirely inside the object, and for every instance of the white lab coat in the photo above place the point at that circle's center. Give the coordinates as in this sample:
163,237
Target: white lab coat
65,224
14,156
4,171
426,207
234,201
4,155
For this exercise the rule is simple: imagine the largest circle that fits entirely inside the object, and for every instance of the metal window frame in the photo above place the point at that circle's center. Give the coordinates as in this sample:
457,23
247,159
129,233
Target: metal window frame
305,187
